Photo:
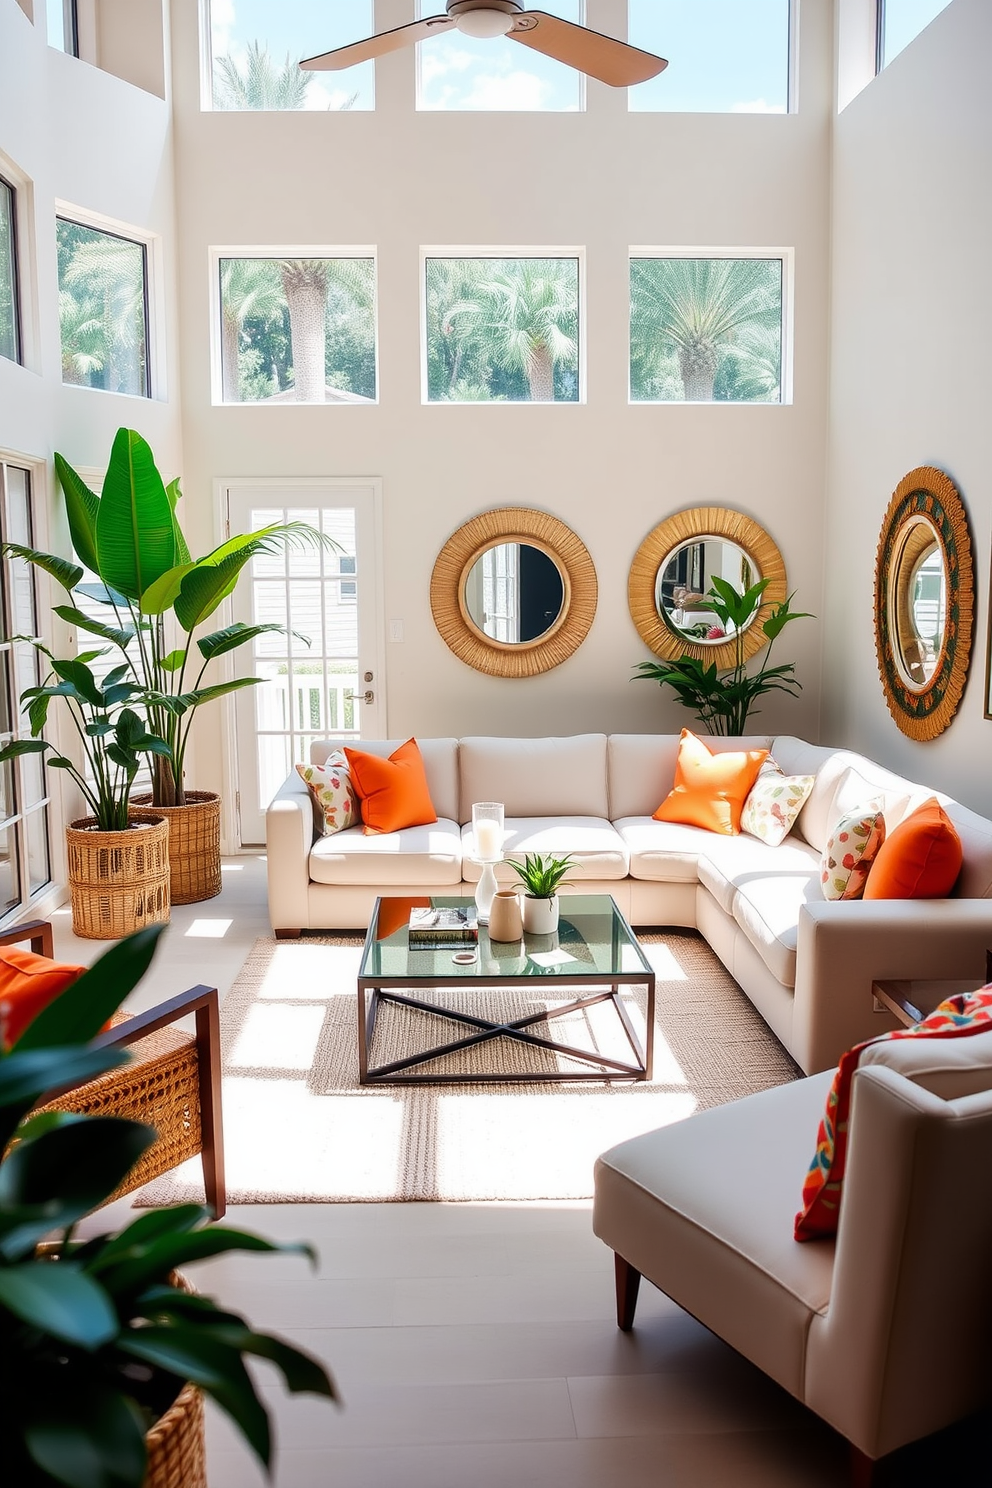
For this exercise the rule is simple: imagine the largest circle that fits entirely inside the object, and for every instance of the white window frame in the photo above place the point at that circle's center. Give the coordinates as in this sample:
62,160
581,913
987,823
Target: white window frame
215,254
26,250
500,252
787,257
156,314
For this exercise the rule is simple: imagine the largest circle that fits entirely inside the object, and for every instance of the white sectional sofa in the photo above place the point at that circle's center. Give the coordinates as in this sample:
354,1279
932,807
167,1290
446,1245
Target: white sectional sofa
805,963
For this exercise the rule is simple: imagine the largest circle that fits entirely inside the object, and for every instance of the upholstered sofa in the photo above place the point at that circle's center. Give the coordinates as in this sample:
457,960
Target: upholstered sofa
807,964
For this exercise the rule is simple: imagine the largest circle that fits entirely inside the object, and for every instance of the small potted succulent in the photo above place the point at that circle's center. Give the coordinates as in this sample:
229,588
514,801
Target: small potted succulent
541,875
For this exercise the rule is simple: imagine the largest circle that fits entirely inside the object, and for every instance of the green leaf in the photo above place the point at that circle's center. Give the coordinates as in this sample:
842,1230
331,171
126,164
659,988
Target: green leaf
173,661
76,1166
81,678
18,747
103,594
191,1353
231,637
58,1299
81,506
81,621
84,1433
174,493
218,690
135,537
172,1250
27,1075
214,577
301,1371
78,1014
162,595
64,572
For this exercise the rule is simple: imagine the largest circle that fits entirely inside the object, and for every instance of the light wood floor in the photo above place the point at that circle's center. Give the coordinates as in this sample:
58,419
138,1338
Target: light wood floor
474,1345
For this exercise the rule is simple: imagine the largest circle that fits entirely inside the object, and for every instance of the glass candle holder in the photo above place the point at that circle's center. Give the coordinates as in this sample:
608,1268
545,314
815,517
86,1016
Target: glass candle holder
487,830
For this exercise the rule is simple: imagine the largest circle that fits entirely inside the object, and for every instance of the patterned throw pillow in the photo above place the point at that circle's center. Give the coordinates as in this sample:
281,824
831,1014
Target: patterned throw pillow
774,802
850,852
963,1014
333,793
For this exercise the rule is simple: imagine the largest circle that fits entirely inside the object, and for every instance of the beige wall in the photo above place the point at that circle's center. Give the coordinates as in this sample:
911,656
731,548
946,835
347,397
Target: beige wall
911,376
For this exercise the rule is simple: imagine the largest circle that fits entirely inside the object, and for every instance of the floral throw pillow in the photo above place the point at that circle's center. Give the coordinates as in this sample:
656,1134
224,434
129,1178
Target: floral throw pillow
850,851
332,792
774,802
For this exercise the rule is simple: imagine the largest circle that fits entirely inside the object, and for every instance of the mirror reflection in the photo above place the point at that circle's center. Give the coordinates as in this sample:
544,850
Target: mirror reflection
686,575
514,593
920,584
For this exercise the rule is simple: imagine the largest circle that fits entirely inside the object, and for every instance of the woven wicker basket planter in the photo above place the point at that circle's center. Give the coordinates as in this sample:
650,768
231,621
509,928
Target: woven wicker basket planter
177,1455
118,881
194,845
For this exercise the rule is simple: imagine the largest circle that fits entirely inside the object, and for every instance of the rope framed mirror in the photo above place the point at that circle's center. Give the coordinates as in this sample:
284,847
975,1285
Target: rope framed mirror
513,592
673,568
924,602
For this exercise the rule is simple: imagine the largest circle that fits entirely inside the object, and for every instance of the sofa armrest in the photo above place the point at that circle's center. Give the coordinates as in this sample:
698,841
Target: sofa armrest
844,946
290,833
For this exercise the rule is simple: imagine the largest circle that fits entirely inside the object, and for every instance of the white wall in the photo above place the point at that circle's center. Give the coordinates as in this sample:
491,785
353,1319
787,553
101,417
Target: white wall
603,180
911,376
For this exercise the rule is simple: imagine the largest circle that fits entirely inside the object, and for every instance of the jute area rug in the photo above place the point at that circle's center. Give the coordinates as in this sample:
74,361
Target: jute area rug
299,1128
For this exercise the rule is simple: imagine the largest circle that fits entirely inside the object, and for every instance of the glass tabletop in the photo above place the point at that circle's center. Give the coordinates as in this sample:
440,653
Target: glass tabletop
593,942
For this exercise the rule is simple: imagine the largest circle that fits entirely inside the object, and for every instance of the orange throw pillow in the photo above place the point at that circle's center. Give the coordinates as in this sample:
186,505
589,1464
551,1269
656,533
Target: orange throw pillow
710,789
920,860
28,983
393,792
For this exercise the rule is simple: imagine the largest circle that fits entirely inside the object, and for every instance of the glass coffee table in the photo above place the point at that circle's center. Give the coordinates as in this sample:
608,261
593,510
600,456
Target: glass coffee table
593,955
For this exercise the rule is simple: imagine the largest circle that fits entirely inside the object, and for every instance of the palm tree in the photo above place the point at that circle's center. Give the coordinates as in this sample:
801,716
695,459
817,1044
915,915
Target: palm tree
526,318
702,309
260,83
102,308
249,288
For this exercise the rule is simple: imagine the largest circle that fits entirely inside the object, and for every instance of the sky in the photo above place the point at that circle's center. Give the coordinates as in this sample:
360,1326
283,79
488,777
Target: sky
725,56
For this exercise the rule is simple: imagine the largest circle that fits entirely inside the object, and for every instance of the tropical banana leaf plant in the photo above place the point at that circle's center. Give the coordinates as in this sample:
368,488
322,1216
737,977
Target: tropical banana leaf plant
723,699
96,1336
156,592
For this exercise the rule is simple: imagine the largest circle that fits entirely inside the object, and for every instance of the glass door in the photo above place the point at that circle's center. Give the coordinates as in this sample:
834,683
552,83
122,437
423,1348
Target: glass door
321,675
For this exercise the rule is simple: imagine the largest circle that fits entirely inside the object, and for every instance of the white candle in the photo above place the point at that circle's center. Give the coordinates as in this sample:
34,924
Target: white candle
488,839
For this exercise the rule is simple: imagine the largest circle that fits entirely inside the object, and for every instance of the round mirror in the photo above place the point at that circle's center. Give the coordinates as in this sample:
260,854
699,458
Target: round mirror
924,595
682,596
674,568
514,593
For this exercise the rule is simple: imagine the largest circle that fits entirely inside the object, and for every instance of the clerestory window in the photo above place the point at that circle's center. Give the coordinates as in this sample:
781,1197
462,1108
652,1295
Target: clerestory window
253,50
725,56
103,309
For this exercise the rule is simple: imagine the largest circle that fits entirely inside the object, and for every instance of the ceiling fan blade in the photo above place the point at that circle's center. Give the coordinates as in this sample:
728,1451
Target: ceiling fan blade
377,46
603,57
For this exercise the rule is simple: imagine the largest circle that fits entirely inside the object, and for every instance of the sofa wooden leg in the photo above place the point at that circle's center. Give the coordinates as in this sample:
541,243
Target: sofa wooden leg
628,1281
288,934
864,1472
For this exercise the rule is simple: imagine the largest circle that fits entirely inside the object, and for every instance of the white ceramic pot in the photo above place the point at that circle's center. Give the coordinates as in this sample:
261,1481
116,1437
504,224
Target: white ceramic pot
540,915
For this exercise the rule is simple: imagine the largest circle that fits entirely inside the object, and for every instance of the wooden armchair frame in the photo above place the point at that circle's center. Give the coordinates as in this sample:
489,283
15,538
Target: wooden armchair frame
197,1057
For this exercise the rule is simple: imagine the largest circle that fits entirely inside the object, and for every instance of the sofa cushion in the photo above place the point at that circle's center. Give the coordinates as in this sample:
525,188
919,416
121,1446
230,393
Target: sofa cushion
662,852
428,855
440,757
394,793
774,802
641,768
28,983
334,798
850,851
845,782
727,863
535,777
949,1068
767,910
710,786
921,859
597,849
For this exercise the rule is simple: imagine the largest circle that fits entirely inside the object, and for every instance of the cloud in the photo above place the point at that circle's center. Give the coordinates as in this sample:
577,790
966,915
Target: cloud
435,62
758,106
518,90
222,19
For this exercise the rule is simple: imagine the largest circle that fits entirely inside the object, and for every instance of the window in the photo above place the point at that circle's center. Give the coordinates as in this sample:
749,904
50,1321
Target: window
724,56
24,858
297,330
63,31
706,330
103,309
900,22
10,340
458,72
254,50
502,330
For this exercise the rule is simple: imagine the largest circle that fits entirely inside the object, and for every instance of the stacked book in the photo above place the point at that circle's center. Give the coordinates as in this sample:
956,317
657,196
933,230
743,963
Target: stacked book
446,926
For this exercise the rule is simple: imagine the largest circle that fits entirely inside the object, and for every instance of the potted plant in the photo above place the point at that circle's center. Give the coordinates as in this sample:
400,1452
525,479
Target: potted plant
104,1349
158,595
118,863
541,875
723,699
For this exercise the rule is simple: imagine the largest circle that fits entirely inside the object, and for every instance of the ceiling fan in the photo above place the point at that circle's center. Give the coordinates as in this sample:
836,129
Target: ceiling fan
599,56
